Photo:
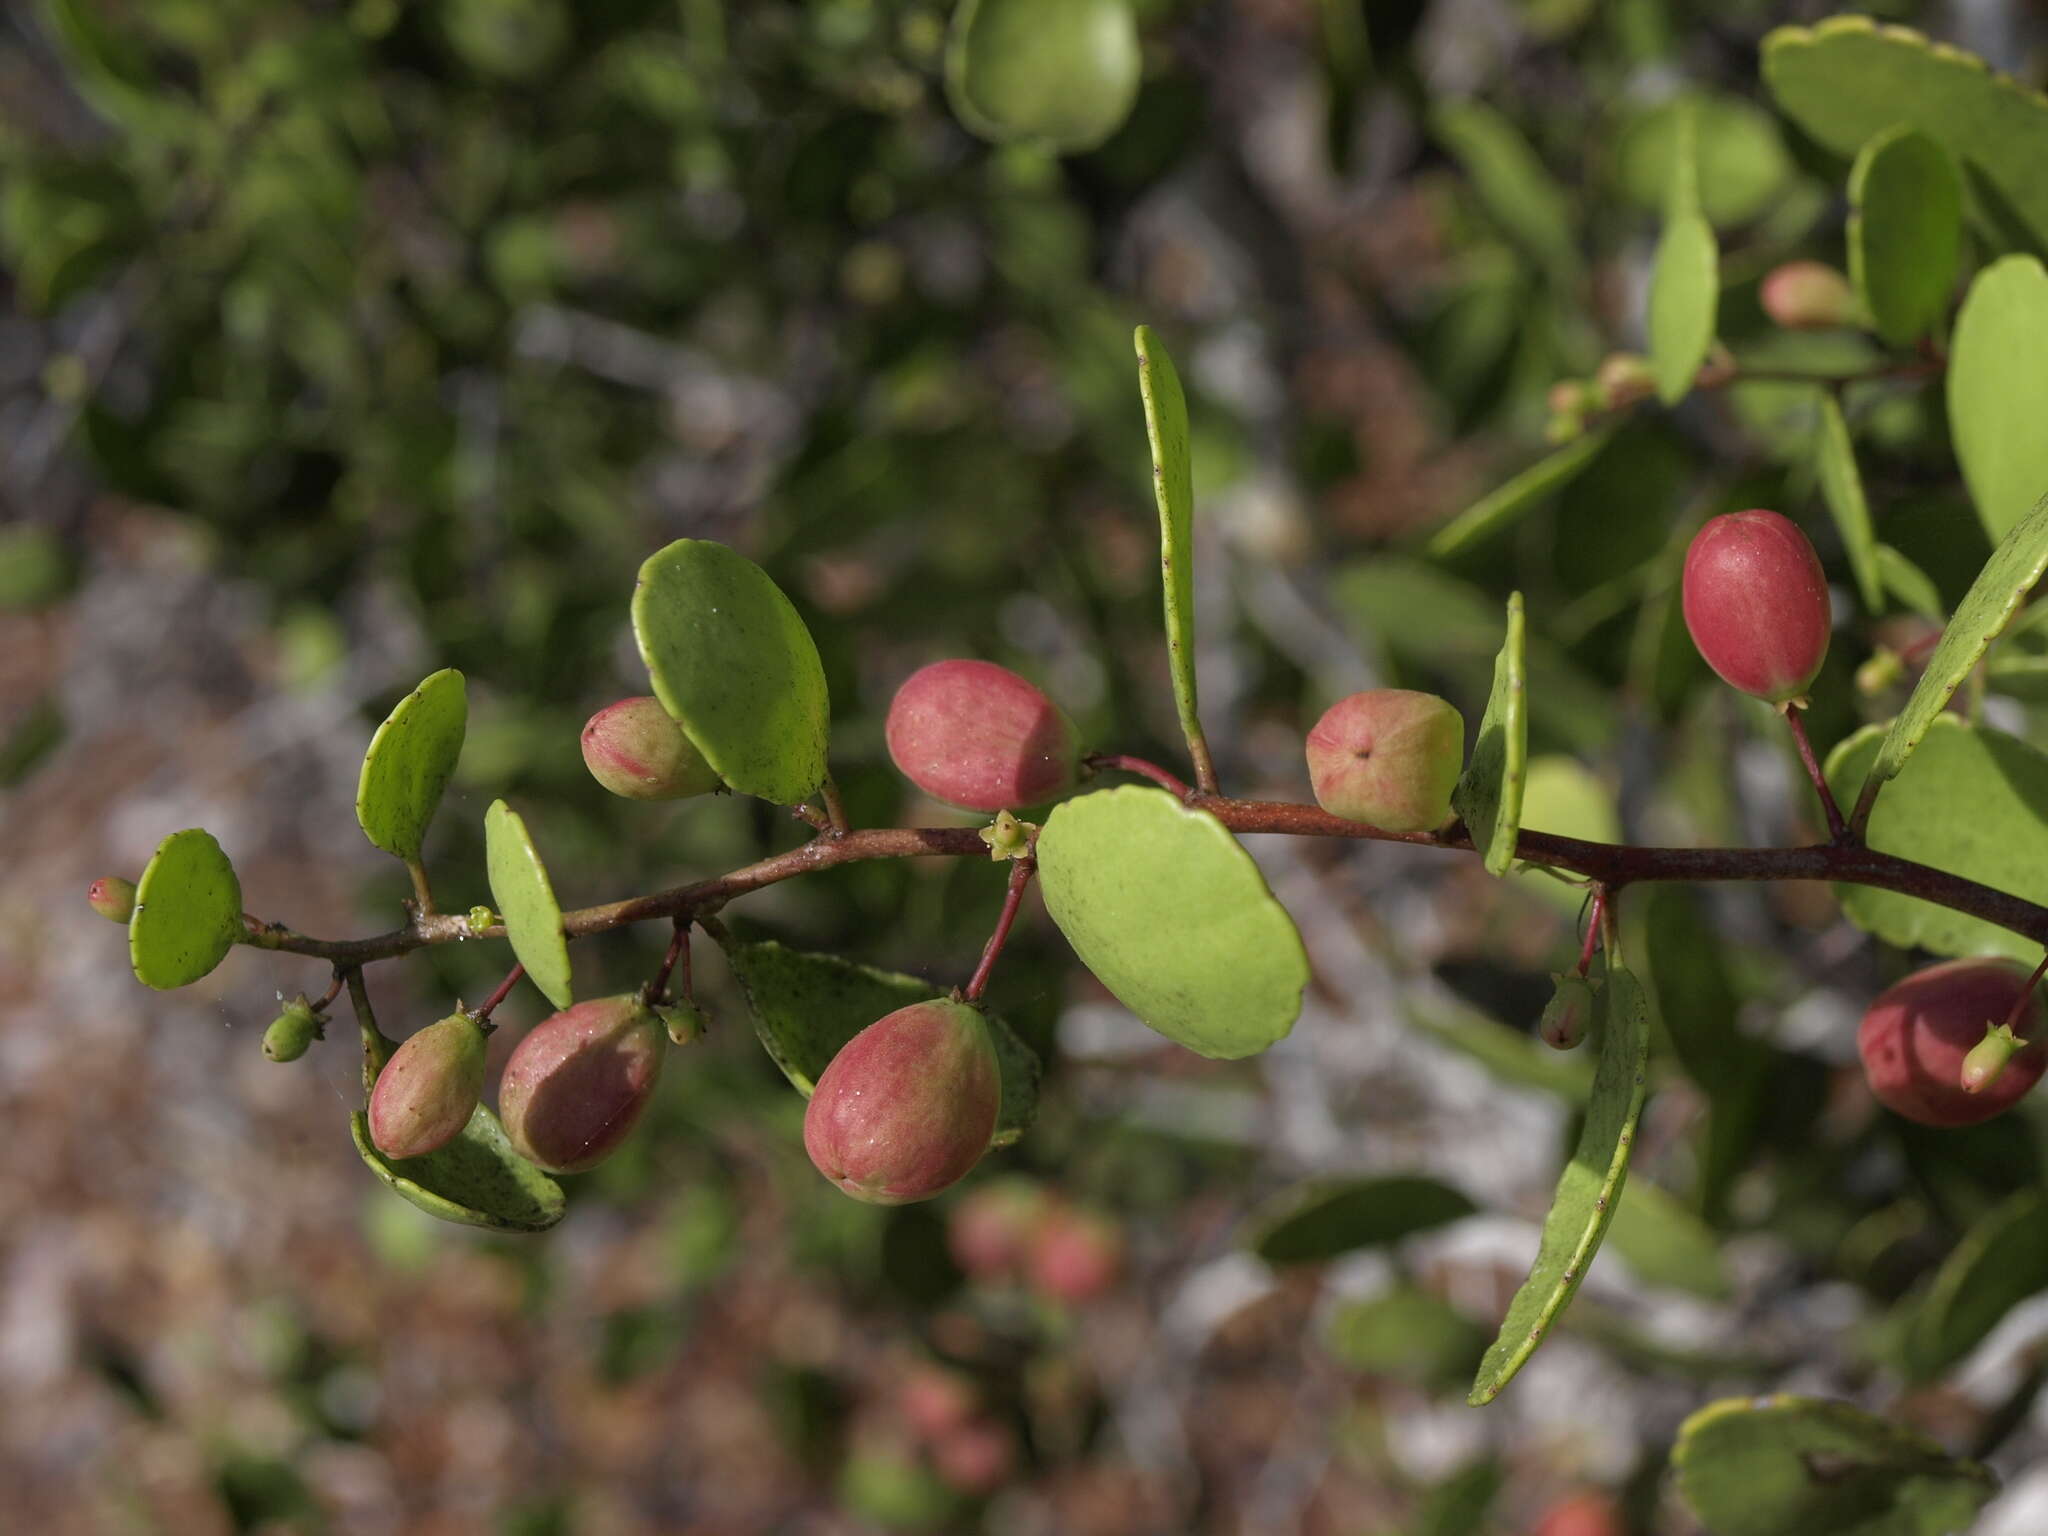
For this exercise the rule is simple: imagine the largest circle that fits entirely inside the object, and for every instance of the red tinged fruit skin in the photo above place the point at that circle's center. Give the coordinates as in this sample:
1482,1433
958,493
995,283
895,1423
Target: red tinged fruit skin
908,1105
978,736
1756,603
576,1086
429,1088
1807,296
934,1401
112,897
1581,1514
1915,1038
635,749
1389,757
1075,1255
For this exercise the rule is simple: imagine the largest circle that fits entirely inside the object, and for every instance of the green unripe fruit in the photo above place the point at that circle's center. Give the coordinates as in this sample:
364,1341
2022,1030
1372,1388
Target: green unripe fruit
1389,758
292,1032
1568,1013
1808,296
578,1083
635,748
112,897
683,1020
1986,1061
429,1088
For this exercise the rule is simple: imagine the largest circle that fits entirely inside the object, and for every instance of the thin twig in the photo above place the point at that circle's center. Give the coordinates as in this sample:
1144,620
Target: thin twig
1838,829
1020,876
1594,923
1141,767
482,1013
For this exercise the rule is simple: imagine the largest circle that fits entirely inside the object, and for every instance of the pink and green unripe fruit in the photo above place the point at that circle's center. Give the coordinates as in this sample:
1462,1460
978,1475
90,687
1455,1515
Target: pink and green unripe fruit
112,897
1581,1514
989,1232
908,1105
1756,603
1567,1015
978,736
576,1086
1075,1255
292,1032
1389,757
1622,379
635,748
1917,1034
934,1401
976,1458
429,1088
1808,296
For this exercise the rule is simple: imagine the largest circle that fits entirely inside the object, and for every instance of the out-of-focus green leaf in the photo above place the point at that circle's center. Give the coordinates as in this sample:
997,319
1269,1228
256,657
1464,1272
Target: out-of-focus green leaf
1905,231
1503,507
1329,1217
1999,1264
1063,72
1512,182
1909,584
1743,166
1997,375
1841,485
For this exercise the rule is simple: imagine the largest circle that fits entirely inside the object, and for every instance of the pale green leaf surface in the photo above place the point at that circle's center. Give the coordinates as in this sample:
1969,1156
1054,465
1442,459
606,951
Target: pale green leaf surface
1997,383
1684,297
409,764
2001,1262
1905,231
1562,795
525,899
1406,1333
1742,164
1173,486
188,911
1489,796
1173,916
476,1179
1061,72
1326,1218
1503,506
1513,184
1841,486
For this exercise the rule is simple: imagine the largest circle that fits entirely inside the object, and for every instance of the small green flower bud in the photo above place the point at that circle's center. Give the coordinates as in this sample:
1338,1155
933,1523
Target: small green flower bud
1568,1013
1808,296
112,897
292,1031
1986,1061
683,1019
480,918
1879,672
429,1088
1622,379
1007,837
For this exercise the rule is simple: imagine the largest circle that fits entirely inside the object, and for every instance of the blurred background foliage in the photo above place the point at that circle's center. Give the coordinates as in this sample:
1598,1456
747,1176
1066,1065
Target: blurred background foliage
353,338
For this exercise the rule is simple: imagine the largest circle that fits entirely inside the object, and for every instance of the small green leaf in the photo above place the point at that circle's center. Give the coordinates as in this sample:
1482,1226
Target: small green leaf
732,661
1684,295
476,1179
1328,1217
1968,803
1665,1244
1503,506
526,899
1489,797
1986,608
1512,183
1588,1190
1997,379
1172,915
1770,1466
409,763
188,911
1905,232
1909,584
1999,1264
1062,72
1841,486
1407,1333
806,1006
1173,485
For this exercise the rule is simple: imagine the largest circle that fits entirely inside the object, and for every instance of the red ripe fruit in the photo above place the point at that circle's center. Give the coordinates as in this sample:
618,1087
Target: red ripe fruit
1581,1514
1075,1255
1388,757
578,1083
635,749
908,1105
1757,604
980,737
112,897
429,1088
1915,1037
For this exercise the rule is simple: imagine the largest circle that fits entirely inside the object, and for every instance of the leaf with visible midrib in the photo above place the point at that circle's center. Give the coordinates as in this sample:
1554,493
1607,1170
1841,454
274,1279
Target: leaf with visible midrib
1685,280
1587,1191
1328,1217
1997,381
1489,796
1905,231
188,911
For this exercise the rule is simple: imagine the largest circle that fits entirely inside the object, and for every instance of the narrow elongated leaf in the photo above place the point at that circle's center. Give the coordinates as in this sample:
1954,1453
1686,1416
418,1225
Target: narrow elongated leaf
1684,297
1769,1466
1588,1190
1172,915
805,1007
1173,486
525,898
1986,608
1503,507
2002,1262
1997,378
1328,1217
409,763
731,660
1841,485
1489,796
1062,72
1512,183
1905,231
1908,583
188,911
476,1179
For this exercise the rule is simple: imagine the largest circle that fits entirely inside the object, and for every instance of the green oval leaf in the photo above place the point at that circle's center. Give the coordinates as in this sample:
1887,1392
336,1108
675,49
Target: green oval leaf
1997,379
1684,295
732,661
526,900
1173,486
1328,1217
1999,1264
1172,915
1063,72
1406,1333
476,1179
409,763
1513,184
1970,803
1743,166
1905,231
1502,507
1986,608
805,1007
1841,486
1489,796
1587,1191
1847,80
1766,1466
188,911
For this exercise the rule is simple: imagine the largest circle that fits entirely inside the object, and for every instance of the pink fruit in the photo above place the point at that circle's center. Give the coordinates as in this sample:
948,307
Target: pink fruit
934,1401
1389,758
1807,296
978,736
989,1231
1757,604
579,1082
908,1104
112,897
635,749
1581,1514
1566,1016
429,1088
976,1458
1075,1255
1915,1037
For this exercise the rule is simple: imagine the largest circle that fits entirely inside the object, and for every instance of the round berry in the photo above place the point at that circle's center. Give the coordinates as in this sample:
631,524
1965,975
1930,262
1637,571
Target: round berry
635,749
1807,296
429,1088
1917,1035
978,736
1756,603
1389,757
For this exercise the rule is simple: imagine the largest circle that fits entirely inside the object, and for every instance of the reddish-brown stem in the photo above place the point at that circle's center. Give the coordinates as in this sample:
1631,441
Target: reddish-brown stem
1020,876
1142,768
1593,926
1838,829
1866,798
2019,1004
333,991
678,949
482,1013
